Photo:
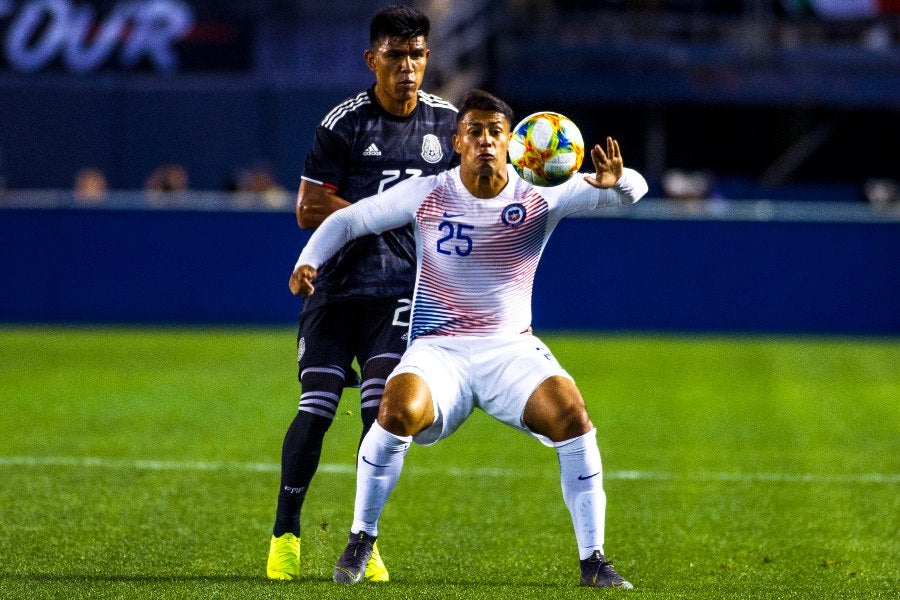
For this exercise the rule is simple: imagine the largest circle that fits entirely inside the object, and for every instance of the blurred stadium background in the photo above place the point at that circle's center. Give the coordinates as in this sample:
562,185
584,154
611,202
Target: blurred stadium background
738,466
766,129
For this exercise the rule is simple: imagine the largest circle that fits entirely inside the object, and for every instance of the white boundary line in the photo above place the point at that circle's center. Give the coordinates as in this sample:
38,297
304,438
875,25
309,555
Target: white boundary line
348,469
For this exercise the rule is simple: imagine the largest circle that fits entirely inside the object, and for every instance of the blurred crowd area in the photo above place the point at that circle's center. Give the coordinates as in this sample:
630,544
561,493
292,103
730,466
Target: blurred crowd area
168,186
867,24
713,100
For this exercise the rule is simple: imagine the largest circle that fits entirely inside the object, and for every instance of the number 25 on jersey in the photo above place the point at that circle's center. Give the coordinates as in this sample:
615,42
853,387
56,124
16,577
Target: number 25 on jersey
455,240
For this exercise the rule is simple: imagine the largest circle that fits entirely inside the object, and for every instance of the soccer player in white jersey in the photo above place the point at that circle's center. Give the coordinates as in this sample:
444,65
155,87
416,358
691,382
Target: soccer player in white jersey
479,231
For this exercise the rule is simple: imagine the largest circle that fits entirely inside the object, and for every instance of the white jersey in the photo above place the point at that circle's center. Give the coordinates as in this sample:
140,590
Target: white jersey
476,258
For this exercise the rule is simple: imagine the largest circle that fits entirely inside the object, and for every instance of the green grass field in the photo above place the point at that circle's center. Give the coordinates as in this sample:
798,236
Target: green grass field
143,463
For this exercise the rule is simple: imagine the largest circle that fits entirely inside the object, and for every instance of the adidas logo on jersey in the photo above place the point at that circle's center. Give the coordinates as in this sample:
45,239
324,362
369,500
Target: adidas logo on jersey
372,150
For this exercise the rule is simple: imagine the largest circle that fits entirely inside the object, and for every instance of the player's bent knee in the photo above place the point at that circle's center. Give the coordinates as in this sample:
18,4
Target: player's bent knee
402,418
573,424
406,407
566,425
557,410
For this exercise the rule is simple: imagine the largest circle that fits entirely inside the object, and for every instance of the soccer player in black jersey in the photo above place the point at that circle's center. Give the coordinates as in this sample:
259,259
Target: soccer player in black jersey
387,133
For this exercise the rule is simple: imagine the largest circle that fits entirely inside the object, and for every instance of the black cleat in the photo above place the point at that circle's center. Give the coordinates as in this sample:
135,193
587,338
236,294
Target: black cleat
597,572
351,566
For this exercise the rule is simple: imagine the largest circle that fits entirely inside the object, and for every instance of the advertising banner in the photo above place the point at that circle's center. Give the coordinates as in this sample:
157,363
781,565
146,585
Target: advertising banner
161,36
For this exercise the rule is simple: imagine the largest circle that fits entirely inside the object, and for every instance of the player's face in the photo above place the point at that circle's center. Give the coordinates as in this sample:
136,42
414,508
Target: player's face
399,66
482,139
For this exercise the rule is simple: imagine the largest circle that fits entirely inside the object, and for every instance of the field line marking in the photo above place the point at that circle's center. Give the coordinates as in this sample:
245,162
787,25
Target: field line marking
349,469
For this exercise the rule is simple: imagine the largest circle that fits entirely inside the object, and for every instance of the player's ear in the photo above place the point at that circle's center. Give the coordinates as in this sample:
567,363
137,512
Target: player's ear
369,57
456,143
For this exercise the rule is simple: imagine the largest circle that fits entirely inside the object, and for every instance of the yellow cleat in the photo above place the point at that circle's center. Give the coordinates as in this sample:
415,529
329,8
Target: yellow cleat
284,558
375,569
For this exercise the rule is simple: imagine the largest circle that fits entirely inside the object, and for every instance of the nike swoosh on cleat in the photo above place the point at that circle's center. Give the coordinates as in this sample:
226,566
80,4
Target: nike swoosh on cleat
580,477
369,462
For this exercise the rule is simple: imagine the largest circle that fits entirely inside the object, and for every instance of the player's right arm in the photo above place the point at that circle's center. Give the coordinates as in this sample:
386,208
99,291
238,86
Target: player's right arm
393,208
301,280
315,201
327,164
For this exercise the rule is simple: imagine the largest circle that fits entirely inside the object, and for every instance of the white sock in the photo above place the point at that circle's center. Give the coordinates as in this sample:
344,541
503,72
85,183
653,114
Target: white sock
378,467
581,475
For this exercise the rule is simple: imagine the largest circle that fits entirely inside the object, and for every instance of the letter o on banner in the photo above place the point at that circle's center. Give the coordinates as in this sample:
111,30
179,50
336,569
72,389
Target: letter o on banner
55,13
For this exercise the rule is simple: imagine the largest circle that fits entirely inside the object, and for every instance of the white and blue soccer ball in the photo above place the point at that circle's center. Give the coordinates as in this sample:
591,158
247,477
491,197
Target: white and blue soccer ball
546,148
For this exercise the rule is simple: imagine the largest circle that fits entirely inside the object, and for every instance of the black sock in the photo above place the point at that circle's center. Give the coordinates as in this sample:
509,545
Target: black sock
302,447
375,371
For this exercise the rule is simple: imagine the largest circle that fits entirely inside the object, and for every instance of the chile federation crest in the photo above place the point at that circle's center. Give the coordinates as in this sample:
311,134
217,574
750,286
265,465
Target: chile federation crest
513,215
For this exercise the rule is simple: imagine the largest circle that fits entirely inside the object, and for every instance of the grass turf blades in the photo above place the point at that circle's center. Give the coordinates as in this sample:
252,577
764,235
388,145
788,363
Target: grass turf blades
144,463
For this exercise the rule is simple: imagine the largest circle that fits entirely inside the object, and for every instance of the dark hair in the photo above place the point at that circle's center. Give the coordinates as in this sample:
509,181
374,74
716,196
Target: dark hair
399,21
481,100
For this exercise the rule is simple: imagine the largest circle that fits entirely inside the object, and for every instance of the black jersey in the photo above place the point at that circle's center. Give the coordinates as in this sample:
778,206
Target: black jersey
359,150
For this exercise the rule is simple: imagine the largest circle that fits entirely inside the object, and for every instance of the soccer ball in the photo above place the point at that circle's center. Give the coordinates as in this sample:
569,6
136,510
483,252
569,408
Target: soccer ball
546,148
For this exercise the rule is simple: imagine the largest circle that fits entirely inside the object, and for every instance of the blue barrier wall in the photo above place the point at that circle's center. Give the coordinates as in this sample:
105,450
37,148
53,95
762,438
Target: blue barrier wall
171,266
721,276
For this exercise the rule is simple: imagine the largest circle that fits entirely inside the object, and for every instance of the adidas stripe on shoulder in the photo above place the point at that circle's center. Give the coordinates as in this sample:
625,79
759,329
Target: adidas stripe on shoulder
436,101
351,104
348,105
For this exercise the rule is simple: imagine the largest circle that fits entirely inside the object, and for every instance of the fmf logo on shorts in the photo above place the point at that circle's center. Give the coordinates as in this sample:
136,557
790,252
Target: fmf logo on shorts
513,215
40,31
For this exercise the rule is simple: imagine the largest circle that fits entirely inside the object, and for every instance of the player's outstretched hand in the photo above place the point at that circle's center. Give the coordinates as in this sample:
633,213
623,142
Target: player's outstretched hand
609,164
301,281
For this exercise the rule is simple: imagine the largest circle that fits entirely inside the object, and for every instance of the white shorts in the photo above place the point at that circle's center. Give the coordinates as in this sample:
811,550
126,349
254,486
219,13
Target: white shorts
495,373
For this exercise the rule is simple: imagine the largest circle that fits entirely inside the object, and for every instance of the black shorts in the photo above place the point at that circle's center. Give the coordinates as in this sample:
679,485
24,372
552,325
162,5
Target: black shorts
334,332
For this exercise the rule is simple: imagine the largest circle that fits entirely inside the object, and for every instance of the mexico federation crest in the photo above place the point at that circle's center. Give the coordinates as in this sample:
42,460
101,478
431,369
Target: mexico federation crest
431,148
513,214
